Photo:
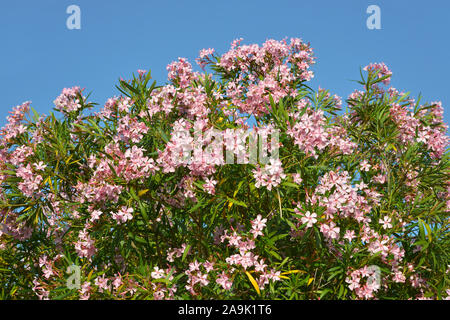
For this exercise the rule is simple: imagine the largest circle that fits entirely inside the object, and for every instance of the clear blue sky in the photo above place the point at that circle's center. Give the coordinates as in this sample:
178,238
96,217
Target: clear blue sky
39,56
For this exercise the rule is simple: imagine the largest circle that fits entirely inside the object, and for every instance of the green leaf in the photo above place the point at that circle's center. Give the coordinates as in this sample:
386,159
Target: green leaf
290,184
276,255
143,211
185,252
237,202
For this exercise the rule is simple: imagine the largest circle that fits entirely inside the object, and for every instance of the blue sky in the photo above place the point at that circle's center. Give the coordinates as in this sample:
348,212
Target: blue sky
40,56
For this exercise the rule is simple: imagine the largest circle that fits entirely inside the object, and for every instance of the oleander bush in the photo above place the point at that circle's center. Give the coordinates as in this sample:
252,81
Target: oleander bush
142,199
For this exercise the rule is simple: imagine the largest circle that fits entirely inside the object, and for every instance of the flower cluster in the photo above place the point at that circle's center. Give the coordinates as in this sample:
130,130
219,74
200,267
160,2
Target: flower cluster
69,100
280,63
382,71
363,290
14,126
270,175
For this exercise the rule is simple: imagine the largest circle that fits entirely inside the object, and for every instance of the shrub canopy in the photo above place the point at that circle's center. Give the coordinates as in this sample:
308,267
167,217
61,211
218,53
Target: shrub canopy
353,204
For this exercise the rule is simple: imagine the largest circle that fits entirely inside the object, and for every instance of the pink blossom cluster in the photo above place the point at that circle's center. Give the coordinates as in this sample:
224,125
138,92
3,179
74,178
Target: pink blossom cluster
124,105
363,290
210,186
177,252
434,138
69,100
129,165
123,215
271,68
330,231
85,291
246,258
10,226
46,265
19,155
184,151
390,252
193,103
160,290
102,283
181,72
161,100
345,201
119,285
235,141
141,72
270,175
224,281
356,95
109,109
31,181
98,191
134,165
258,225
178,150
85,246
40,290
198,274
382,70
406,122
340,198
131,130
311,135
14,126
203,58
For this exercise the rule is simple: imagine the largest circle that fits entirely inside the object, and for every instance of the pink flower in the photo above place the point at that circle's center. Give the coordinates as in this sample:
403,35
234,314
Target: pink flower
203,59
206,52
194,266
309,218
68,100
365,166
275,275
42,260
353,283
381,178
85,291
117,282
40,166
269,176
85,246
361,186
349,235
180,70
385,222
157,273
124,104
141,72
209,186
209,266
102,283
258,225
95,215
297,179
123,215
260,266
224,281
382,70
398,277
48,271
330,231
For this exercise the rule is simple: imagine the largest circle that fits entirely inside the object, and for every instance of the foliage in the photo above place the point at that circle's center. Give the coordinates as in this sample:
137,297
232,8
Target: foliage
108,191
